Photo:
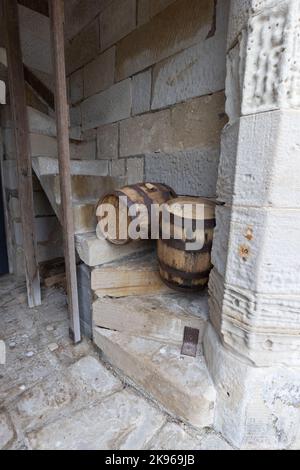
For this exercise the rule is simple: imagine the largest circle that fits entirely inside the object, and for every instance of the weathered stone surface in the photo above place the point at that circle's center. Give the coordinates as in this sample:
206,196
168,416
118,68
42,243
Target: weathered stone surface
43,145
117,168
79,13
162,317
235,77
175,437
135,170
42,205
149,8
221,238
94,252
99,74
44,166
238,19
92,376
75,119
133,422
195,124
84,150
40,123
108,142
256,408
141,92
84,217
6,430
116,21
227,166
192,172
2,92
199,70
180,383
83,48
76,86
108,106
179,26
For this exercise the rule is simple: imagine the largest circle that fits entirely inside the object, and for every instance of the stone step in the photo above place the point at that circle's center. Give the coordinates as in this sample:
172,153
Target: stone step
40,123
180,384
138,275
94,252
49,166
161,318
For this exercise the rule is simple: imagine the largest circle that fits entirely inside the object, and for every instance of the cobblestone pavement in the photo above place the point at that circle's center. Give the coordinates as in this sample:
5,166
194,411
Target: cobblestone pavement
54,395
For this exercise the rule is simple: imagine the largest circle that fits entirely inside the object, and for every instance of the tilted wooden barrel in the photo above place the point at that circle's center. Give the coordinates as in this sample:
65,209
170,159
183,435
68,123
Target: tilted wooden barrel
142,193
181,267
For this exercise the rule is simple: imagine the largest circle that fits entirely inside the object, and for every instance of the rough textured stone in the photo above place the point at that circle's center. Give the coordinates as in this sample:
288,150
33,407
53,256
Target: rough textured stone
179,26
192,172
256,408
43,145
117,168
162,317
149,8
76,86
94,252
99,74
199,70
179,383
238,19
84,150
108,142
135,170
116,21
6,430
141,92
79,13
2,92
83,48
108,106
40,123
195,124
133,422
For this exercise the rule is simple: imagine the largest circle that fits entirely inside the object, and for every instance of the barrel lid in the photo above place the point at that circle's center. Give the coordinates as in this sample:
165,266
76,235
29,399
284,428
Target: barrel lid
177,207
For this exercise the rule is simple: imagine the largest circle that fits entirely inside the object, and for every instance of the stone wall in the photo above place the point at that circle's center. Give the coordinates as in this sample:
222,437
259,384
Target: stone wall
146,83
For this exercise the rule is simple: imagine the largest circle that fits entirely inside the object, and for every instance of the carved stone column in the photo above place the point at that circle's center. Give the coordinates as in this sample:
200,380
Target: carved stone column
253,348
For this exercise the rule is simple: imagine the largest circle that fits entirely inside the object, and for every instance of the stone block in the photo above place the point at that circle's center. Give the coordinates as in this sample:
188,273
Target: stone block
221,239
76,87
160,318
197,71
84,216
149,8
83,48
108,142
133,424
117,21
94,252
40,123
176,28
117,168
43,145
235,76
99,74
256,408
179,383
84,150
227,166
108,106
141,92
7,432
79,13
191,172
135,170
239,14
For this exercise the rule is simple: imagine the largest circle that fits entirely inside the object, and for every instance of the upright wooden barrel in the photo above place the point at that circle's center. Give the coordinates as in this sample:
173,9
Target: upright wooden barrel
184,250
143,193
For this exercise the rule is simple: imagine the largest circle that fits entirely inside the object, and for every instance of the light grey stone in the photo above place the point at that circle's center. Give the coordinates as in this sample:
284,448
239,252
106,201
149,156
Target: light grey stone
141,92
6,430
108,142
108,106
76,86
117,168
135,170
99,74
43,145
116,21
192,173
132,424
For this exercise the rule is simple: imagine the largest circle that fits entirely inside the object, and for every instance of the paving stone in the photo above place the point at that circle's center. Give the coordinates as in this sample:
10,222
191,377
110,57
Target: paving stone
179,26
180,383
99,74
6,430
132,423
91,375
116,21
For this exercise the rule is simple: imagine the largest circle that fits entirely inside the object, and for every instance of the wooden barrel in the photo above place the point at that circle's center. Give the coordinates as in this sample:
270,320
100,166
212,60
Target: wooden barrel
143,193
184,265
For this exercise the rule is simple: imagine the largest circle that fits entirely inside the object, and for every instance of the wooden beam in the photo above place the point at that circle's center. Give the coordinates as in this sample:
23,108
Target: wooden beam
40,6
39,87
21,128
62,124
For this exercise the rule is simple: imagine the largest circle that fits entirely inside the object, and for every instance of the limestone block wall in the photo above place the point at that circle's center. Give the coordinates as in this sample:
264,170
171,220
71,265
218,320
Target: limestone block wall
146,84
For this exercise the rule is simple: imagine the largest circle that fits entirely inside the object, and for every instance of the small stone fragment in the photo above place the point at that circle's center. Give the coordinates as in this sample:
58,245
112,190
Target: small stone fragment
53,347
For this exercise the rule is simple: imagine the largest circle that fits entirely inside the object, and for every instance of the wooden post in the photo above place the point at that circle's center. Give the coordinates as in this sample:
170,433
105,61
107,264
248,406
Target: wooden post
21,128
62,119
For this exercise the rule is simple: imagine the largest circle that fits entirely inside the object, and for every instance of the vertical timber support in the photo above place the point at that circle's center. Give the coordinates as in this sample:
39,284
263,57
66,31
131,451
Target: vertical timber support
61,109
19,112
